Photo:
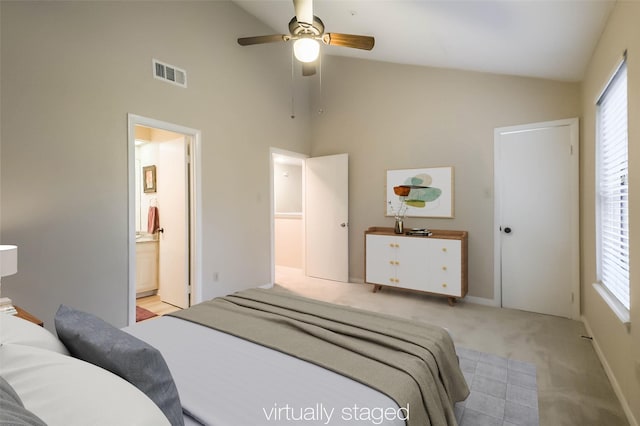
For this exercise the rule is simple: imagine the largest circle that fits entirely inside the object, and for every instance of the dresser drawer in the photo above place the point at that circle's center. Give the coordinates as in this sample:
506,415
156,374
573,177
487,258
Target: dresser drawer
428,264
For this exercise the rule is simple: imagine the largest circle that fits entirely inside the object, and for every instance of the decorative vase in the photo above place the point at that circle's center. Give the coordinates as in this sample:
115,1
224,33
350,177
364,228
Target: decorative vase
399,228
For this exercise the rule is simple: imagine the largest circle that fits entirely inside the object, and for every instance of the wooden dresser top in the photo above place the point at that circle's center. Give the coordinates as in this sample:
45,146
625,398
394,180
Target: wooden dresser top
435,233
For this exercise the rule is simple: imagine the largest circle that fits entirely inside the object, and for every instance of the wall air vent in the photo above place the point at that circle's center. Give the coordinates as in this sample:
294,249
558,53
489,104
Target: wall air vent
169,73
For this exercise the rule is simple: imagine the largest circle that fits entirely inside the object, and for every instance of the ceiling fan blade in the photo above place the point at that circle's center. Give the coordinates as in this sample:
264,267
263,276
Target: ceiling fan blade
248,41
308,69
304,11
349,40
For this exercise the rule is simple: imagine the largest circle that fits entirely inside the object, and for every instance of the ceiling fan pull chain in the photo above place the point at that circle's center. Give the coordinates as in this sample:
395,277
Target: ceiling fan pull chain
293,93
320,108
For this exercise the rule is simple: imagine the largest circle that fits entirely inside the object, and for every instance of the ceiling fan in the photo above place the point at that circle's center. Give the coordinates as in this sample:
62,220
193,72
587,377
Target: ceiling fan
307,30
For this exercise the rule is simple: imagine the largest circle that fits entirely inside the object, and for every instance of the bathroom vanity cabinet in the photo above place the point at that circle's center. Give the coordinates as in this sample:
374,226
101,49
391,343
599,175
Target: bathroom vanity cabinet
146,267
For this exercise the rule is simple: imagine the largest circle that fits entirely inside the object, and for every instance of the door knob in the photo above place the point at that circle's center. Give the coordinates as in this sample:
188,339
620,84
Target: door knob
507,230
343,225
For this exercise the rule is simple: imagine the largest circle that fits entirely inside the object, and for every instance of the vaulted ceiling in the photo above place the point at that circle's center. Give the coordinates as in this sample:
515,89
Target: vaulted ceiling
539,38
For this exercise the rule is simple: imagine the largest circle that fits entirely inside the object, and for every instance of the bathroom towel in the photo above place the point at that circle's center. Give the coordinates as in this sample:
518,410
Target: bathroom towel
153,223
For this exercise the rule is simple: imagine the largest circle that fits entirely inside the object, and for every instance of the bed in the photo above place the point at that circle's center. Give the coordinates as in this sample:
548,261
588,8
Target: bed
256,357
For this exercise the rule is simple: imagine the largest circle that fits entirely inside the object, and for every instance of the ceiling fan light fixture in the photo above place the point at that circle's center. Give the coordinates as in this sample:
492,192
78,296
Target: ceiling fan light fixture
306,49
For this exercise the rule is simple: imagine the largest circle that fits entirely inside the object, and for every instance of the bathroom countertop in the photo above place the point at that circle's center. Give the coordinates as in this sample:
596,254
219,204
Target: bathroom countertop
146,238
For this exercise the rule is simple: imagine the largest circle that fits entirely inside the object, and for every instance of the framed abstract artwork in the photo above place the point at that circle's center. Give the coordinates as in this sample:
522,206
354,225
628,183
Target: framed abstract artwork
429,192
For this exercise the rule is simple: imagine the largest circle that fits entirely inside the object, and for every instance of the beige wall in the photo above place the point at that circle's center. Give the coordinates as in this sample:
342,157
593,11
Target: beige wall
620,347
287,187
288,238
71,71
389,116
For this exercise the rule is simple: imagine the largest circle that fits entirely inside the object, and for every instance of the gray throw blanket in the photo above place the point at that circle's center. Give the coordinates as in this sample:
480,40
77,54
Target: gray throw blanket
413,363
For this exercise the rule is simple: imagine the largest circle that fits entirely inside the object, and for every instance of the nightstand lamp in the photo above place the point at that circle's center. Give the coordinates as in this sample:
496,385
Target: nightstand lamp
8,266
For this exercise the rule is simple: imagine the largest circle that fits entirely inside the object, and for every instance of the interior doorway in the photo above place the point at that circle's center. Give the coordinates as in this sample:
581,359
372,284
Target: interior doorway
536,212
310,211
164,222
287,178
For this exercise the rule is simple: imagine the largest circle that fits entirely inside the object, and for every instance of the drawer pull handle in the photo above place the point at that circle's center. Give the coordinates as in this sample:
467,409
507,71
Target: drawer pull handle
444,268
444,285
444,249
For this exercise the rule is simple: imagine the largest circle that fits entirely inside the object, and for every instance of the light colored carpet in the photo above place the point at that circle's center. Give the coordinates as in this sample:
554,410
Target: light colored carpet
573,388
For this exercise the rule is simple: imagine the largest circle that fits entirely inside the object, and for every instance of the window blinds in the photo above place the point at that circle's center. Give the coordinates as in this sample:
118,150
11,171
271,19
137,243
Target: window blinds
613,188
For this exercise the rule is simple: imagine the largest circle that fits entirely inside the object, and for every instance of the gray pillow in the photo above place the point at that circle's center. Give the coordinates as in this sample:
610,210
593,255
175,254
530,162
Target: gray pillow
12,411
93,340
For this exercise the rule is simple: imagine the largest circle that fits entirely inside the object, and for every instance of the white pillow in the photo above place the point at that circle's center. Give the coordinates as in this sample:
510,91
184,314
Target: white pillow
66,391
19,331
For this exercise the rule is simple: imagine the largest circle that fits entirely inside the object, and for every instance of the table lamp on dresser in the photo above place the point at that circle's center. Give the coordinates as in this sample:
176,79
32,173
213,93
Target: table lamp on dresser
8,266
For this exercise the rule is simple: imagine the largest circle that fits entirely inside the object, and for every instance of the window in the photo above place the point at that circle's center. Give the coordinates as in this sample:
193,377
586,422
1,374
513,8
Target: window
612,188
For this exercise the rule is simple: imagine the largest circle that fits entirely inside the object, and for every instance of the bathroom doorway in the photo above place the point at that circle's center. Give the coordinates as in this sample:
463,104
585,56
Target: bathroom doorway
164,213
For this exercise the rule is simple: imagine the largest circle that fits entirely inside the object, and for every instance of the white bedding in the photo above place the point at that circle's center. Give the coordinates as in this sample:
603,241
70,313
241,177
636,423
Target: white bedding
62,390
223,380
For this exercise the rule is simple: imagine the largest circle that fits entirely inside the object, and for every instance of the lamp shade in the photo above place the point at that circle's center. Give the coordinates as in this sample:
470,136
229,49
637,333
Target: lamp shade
306,49
8,260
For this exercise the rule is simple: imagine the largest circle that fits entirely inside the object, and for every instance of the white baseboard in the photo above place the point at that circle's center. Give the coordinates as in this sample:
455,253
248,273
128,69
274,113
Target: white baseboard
611,376
267,285
480,301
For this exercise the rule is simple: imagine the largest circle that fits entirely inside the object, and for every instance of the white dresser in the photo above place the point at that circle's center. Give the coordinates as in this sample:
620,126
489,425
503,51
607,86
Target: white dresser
436,264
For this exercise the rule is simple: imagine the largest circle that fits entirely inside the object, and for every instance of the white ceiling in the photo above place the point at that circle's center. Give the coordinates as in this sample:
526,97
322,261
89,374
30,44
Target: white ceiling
538,38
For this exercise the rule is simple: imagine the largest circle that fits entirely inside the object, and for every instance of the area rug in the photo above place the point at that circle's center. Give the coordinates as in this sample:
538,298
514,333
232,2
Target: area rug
143,314
504,392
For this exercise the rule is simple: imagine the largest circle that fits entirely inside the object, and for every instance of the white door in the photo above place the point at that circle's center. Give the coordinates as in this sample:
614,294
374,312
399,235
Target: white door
536,240
173,205
327,217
